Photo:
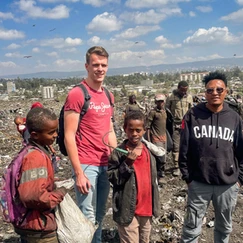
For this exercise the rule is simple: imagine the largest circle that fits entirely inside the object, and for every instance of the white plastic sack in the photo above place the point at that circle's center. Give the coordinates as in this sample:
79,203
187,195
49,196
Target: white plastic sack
72,225
157,151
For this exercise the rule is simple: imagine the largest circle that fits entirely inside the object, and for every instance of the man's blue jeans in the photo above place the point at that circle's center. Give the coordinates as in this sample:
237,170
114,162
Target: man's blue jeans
224,199
93,204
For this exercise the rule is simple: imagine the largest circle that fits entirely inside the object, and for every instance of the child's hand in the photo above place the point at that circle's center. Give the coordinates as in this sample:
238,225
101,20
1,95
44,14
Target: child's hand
131,157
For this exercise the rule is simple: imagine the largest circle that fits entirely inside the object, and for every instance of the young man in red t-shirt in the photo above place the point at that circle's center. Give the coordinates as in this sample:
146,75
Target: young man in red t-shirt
86,151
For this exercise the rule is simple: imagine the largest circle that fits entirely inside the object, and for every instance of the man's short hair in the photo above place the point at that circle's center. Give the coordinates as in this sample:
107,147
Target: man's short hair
215,75
134,115
182,84
98,50
37,117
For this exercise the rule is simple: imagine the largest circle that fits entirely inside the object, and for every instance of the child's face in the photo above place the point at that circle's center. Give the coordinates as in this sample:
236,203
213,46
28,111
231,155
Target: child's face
135,131
19,121
160,104
48,135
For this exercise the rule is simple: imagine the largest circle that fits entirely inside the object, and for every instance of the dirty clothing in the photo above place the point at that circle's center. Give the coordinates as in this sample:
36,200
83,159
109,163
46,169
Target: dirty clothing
31,239
36,191
211,162
156,124
137,231
125,188
132,107
178,107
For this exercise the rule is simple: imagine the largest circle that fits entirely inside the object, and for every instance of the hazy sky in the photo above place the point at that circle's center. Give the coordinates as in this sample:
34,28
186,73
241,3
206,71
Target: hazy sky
57,33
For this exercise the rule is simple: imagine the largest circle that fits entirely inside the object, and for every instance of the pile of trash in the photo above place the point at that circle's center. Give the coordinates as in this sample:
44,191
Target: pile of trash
173,195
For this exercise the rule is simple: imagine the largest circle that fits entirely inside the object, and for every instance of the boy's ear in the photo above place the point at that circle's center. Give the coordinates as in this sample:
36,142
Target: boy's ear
34,135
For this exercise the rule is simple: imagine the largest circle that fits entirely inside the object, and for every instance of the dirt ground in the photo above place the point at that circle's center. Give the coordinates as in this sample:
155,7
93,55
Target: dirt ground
166,228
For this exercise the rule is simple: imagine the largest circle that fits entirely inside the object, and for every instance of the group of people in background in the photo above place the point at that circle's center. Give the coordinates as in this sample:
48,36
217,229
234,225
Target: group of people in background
207,153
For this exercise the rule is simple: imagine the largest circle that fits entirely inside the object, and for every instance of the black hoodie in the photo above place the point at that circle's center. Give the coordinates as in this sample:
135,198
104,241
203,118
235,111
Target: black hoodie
211,146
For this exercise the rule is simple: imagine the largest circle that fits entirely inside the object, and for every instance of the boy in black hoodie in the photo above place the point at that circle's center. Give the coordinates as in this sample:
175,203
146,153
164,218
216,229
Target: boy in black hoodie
211,160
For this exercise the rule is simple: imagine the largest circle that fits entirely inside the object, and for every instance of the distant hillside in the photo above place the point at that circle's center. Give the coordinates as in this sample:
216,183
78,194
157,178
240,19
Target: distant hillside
188,66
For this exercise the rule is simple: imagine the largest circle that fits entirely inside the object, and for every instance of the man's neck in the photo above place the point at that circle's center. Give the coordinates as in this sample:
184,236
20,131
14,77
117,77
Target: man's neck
94,85
214,109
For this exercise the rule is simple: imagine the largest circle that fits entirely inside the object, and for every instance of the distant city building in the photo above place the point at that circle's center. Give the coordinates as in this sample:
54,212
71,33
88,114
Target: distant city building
147,82
47,92
192,76
11,87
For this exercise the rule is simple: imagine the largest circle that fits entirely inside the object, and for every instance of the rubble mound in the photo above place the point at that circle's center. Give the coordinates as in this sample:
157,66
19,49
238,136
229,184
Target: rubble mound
173,194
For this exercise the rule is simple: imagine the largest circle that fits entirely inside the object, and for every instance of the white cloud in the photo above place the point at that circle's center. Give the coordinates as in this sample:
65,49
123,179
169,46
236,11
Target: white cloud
41,66
73,49
73,42
212,35
161,39
204,9
198,58
95,40
170,46
151,16
13,46
192,14
114,44
61,42
68,64
36,50
235,16
13,54
29,6
137,31
99,3
105,22
52,54
126,58
165,43
7,65
30,41
58,1
240,2
5,16
151,3
11,34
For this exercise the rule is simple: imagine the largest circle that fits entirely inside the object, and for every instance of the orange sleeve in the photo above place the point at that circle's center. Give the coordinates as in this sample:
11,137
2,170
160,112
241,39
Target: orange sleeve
36,189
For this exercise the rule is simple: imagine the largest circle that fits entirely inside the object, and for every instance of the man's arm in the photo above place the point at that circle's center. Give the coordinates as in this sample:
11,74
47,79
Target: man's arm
149,122
183,151
168,103
112,137
238,151
71,122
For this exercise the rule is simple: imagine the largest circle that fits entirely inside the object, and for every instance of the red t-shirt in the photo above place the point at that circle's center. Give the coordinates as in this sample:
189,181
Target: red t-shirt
144,184
94,125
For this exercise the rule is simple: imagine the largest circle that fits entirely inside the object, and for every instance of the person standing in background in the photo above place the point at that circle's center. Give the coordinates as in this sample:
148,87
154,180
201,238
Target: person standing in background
179,102
156,133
